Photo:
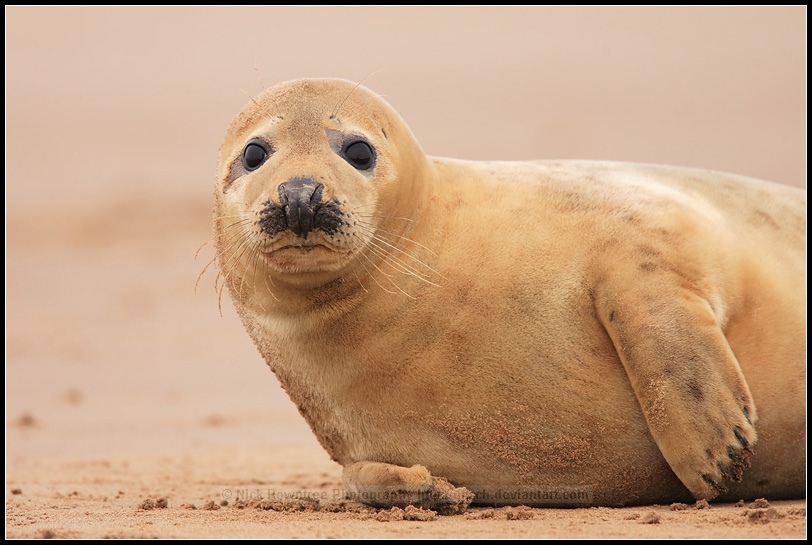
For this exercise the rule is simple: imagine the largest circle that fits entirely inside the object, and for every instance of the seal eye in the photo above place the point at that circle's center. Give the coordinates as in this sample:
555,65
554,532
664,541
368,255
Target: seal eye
359,154
254,154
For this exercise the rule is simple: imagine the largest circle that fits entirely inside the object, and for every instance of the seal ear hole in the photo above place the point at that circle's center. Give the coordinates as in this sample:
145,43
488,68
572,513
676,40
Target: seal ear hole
255,153
359,154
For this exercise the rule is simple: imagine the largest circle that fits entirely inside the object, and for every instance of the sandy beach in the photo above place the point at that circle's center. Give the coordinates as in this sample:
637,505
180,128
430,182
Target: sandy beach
136,404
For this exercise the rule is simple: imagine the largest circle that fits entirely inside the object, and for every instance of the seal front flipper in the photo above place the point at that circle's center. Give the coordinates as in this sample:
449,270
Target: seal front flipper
387,485
685,376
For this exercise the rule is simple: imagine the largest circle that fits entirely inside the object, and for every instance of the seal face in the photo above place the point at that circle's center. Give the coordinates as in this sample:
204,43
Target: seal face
303,182
545,333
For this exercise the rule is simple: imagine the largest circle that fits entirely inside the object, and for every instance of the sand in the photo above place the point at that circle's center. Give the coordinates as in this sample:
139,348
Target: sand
135,409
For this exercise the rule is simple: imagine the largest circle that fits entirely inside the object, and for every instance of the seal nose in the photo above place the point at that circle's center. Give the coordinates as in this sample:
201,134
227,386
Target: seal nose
299,198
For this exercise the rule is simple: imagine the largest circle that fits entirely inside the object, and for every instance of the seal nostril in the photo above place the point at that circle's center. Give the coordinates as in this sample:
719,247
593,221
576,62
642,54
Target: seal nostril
315,199
300,198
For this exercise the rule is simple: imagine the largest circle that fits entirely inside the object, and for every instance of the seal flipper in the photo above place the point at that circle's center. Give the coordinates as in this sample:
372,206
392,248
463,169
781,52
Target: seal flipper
387,485
685,376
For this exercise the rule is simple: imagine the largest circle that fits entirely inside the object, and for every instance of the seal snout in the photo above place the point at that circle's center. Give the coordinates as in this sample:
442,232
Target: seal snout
300,199
301,210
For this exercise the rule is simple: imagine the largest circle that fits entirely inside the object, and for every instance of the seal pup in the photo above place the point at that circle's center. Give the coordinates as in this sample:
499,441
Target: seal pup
541,333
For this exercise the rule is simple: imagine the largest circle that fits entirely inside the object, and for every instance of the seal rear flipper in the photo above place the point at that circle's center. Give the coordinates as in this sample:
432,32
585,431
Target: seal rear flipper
689,384
387,485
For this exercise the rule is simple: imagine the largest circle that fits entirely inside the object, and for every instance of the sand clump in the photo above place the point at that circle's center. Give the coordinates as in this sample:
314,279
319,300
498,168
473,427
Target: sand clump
760,512
410,512
150,504
650,518
763,516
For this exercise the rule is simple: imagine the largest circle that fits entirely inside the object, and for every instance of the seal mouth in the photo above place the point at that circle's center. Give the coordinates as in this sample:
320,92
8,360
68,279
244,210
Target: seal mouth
293,258
299,249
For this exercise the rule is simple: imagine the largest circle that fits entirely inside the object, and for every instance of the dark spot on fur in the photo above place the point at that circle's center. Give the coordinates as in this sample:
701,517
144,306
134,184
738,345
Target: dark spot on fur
747,416
763,482
647,266
760,217
573,202
383,131
462,291
696,391
647,251
612,316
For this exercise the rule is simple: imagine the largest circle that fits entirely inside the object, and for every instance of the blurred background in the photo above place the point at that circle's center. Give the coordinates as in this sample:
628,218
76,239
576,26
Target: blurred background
114,117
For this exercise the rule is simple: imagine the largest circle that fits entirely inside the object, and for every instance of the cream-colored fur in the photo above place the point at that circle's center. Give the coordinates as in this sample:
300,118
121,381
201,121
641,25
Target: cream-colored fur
630,332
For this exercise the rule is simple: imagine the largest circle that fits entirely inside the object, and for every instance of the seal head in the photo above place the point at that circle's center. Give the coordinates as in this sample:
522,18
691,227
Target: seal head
305,184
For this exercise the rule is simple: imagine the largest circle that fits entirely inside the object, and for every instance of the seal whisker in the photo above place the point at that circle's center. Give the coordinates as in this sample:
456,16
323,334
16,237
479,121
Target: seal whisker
389,258
373,216
389,277
246,93
371,275
197,252
384,255
227,244
221,271
371,227
386,274
205,267
217,217
233,240
254,258
242,244
361,283
246,246
250,96
404,253
357,85
268,288
220,299
208,263
225,227
235,216
228,232
252,254
256,71
374,233
360,210
239,221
